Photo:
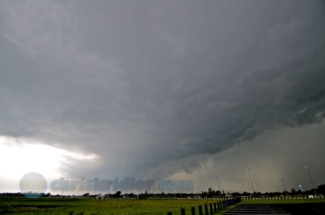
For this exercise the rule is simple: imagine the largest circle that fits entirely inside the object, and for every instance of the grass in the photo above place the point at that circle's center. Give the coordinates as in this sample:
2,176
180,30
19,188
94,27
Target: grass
56,206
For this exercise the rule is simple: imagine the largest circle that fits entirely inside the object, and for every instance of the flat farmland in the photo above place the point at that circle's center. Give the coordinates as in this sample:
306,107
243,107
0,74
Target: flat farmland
74,206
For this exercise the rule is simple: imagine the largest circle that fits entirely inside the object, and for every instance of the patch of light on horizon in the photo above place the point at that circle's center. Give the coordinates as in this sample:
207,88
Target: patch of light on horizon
19,156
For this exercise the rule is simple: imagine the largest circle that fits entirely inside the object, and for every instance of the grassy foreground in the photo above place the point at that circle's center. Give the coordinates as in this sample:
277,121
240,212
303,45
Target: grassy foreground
56,206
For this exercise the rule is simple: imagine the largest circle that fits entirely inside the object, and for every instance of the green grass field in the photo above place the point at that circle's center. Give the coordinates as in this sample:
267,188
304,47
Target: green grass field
56,206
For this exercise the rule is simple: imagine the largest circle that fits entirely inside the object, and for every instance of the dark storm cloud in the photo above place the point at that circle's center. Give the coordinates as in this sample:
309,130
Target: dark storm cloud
151,84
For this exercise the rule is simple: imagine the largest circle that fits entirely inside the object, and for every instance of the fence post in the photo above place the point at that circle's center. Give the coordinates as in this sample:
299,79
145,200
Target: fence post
200,210
193,210
169,213
182,211
215,207
211,211
206,209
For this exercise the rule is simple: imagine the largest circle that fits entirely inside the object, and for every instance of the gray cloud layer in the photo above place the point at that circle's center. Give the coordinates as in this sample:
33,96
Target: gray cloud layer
150,84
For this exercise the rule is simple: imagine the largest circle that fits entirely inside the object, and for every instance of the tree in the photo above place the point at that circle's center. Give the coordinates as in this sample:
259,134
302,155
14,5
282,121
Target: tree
210,190
245,193
321,189
118,194
131,195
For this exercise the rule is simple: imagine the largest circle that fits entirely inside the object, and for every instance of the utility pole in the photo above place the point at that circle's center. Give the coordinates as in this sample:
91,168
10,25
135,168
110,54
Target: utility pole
249,172
284,186
249,188
311,179
218,183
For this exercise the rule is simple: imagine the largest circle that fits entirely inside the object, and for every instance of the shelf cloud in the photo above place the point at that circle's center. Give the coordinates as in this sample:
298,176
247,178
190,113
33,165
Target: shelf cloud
159,88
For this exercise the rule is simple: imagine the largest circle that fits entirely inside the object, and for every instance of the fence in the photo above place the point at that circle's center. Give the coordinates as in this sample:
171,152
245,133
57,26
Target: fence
281,198
210,209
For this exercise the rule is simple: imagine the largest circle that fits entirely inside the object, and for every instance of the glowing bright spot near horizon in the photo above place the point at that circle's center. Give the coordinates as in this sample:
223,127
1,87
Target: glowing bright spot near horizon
19,156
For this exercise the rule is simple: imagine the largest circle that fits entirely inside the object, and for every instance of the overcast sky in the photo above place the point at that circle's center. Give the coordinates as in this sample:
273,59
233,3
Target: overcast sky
163,89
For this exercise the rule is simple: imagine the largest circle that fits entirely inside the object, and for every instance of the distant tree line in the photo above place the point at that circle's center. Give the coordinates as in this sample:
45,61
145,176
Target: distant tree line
210,193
